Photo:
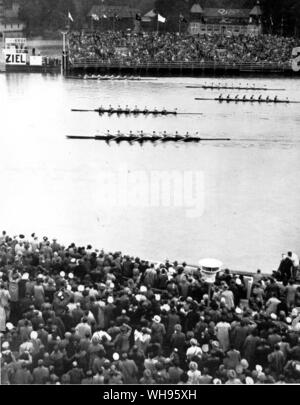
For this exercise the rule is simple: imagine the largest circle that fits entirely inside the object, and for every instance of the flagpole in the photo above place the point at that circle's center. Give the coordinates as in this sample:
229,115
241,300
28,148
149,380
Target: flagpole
157,29
179,25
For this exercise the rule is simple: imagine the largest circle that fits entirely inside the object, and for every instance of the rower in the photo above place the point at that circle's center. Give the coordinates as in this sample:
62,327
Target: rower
268,99
119,110
146,111
101,109
155,111
136,110
221,97
244,97
110,109
275,99
252,97
236,97
228,97
259,98
187,135
164,111
127,111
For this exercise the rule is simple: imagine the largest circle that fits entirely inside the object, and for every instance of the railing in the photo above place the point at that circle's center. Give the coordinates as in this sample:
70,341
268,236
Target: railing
257,66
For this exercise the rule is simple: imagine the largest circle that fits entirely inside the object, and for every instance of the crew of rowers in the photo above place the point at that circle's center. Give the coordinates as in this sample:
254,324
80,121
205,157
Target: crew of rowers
136,110
251,99
225,86
140,135
107,77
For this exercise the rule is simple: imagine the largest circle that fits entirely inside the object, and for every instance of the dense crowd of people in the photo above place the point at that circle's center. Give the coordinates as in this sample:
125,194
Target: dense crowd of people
77,315
132,48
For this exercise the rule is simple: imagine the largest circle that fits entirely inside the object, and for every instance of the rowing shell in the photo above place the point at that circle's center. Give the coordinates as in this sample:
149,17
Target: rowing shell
232,88
144,138
126,112
233,100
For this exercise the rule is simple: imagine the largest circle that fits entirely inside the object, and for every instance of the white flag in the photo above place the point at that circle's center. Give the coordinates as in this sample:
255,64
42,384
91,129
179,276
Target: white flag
161,18
70,17
95,17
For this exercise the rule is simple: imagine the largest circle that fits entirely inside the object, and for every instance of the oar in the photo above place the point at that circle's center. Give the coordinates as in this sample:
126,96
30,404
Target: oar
79,137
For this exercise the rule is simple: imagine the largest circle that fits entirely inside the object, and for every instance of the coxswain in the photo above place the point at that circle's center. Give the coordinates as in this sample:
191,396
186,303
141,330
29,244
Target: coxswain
175,111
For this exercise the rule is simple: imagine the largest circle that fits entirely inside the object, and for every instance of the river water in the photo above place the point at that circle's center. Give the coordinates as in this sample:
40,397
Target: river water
250,188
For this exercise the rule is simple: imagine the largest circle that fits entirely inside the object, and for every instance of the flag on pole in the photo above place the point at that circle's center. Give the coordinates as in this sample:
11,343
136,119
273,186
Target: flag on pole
182,18
161,19
95,17
70,17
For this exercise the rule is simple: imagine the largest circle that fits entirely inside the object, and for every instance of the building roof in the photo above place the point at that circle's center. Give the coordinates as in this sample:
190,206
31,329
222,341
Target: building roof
12,20
196,9
256,11
226,13
112,11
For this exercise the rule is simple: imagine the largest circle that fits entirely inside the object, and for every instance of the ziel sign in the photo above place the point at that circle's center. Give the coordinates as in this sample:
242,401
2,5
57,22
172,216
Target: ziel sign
15,58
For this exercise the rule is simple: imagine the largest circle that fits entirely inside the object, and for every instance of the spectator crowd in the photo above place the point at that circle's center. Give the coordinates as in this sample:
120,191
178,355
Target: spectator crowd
77,315
133,48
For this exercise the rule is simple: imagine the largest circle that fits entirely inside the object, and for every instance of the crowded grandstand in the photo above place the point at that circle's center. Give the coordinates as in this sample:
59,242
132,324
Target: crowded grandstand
142,48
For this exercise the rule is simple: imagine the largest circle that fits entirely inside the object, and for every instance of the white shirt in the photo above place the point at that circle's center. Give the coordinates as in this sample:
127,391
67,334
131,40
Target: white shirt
295,260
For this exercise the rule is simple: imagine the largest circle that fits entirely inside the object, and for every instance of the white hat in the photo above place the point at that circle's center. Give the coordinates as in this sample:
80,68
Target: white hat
33,335
238,310
25,276
9,326
157,319
71,275
73,260
258,368
273,316
294,312
157,297
5,345
80,288
1,274
165,307
238,281
288,320
116,356
110,299
249,381
143,289
69,288
217,381
62,274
